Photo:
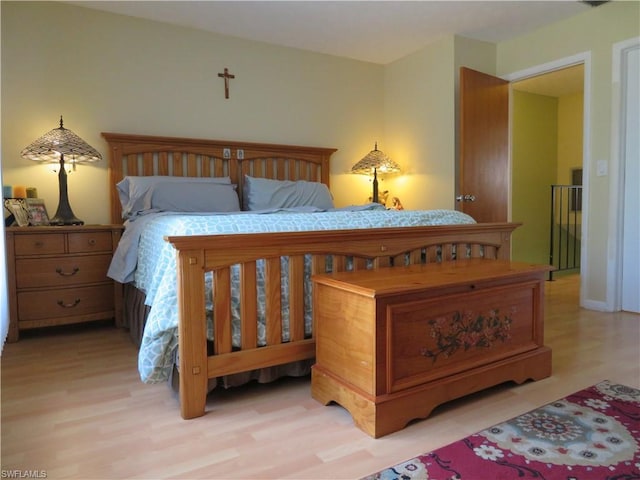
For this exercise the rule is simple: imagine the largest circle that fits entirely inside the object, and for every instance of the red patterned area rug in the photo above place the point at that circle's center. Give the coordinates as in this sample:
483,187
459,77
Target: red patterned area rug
593,434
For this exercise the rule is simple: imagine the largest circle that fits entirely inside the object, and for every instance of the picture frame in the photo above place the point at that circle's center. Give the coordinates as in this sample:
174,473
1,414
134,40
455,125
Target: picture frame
38,215
18,209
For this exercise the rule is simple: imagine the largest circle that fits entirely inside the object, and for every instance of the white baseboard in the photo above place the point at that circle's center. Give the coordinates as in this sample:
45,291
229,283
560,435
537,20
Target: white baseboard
595,305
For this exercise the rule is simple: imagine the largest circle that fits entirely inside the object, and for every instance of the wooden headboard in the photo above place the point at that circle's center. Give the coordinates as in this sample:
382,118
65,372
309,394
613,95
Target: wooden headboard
144,155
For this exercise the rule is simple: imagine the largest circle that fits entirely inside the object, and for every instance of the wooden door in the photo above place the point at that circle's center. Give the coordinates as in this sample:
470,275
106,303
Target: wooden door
484,176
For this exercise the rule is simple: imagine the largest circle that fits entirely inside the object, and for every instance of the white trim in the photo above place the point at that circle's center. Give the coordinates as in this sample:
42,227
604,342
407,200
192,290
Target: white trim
585,59
616,186
616,73
549,67
595,305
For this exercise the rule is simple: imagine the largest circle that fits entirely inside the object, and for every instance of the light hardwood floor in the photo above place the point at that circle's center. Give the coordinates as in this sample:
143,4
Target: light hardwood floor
74,407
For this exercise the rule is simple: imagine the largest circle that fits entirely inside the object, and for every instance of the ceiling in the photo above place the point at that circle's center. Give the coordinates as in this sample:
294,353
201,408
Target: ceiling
370,31
565,81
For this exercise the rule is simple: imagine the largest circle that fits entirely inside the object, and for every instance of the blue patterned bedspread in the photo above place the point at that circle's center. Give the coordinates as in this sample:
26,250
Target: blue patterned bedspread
156,265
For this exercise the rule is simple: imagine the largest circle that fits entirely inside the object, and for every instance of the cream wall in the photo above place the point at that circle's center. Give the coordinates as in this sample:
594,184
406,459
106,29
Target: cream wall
419,91
594,31
107,72
421,118
570,115
111,73
534,147
570,136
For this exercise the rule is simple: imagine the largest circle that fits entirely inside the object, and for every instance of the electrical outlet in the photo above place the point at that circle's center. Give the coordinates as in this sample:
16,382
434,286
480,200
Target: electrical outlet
226,153
601,168
240,154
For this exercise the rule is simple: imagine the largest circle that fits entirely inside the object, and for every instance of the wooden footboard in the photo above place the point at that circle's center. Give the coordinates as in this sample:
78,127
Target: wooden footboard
336,250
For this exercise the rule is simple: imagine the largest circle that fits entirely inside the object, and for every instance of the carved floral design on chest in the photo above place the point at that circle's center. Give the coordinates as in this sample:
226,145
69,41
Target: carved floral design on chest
467,330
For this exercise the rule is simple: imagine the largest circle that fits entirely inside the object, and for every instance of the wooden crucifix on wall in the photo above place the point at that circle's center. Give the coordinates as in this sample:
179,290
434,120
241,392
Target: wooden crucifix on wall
226,75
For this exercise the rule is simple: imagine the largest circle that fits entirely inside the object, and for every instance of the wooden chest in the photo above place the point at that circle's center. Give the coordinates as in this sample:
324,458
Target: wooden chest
393,343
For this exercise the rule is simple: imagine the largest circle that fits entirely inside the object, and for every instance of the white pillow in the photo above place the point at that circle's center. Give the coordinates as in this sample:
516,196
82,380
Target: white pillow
265,194
133,189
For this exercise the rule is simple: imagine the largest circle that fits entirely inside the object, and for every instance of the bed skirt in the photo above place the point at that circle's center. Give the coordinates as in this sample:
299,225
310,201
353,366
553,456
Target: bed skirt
134,312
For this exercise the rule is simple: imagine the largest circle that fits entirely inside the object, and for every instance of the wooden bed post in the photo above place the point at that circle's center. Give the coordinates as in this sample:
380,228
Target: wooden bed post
192,333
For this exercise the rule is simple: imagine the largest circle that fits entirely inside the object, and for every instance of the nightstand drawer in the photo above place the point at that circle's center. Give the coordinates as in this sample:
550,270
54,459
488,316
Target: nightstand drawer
47,304
61,271
86,242
40,244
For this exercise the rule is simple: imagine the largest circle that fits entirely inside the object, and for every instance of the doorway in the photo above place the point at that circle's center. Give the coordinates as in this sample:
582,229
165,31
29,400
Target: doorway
543,78
547,160
556,92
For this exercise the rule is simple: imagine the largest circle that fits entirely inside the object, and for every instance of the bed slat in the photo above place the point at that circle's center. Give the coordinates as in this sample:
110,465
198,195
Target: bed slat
222,311
339,263
177,164
132,163
192,165
359,263
163,164
296,298
273,306
249,306
318,264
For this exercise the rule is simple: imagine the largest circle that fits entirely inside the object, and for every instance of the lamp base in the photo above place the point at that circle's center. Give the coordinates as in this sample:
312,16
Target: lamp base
374,198
59,221
64,215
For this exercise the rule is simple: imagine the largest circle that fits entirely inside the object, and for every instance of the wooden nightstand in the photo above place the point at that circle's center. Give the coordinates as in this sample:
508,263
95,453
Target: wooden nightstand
57,276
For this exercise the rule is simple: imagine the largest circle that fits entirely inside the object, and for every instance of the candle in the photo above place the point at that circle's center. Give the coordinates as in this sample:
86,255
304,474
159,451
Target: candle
19,191
32,192
7,191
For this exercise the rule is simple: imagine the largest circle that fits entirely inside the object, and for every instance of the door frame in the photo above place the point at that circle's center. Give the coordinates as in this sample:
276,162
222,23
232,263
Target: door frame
618,159
583,58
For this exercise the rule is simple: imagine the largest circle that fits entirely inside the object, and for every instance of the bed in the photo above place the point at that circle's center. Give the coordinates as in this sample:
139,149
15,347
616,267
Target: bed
217,277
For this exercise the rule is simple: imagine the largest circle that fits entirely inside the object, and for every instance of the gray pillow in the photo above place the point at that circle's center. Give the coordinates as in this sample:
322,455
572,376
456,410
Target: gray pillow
194,197
265,194
133,190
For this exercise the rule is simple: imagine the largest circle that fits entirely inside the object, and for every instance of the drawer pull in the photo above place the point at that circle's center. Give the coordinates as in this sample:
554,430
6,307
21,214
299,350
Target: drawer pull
67,274
92,242
38,243
68,305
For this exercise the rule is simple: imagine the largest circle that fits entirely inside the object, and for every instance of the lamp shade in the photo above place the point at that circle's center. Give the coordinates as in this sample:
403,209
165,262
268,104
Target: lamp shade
375,162
60,141
58,145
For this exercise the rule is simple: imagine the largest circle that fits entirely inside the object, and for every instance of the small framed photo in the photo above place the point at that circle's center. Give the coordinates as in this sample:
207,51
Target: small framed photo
18,209
37,212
